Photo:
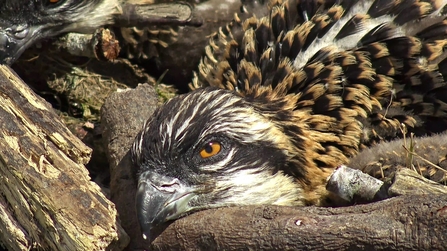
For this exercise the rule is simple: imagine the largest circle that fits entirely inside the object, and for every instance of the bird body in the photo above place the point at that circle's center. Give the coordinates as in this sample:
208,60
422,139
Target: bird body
426,155
280,101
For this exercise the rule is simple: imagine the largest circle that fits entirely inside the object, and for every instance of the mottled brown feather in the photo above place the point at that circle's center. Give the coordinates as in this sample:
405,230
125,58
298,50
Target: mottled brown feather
344,99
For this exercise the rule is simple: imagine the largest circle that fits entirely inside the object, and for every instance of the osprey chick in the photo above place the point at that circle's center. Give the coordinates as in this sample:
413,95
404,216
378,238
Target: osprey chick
24,22
284,99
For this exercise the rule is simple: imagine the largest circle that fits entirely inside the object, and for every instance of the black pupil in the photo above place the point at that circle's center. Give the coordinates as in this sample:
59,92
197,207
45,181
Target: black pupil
209,148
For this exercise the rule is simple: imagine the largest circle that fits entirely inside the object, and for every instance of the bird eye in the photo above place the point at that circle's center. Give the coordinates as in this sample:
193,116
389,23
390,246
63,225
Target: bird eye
51,3
210,149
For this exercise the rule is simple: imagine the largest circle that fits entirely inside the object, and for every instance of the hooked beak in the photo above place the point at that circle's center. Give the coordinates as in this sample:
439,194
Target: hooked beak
160,199
14,40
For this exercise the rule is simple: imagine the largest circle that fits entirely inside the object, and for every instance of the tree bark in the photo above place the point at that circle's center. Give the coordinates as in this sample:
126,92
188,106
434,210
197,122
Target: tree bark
415,222
122,117
47,200
357,187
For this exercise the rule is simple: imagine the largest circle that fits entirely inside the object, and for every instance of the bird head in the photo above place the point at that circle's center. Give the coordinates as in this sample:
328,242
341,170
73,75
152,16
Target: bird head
214,148
24,22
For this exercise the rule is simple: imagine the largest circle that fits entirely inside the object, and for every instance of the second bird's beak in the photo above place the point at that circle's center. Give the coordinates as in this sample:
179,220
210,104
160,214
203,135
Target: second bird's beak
159,199
14,40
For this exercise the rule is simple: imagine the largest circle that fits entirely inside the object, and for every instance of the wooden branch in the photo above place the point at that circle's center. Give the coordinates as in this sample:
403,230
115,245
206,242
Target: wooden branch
100,45
143,14
355,187
407,182
47,200
402,223
122,117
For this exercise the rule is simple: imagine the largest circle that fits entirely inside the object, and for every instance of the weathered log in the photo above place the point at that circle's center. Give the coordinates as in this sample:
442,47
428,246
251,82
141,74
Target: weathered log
355,187
141,14
122,117
415,222
100,45
47,199
407,182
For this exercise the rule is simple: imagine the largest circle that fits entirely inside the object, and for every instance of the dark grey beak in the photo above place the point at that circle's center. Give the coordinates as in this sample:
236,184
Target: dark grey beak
160,199
14,40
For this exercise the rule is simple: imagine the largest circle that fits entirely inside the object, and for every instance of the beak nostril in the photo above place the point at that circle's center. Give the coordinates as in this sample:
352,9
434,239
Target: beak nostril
18,31
170,187
21,34
159,199
14,39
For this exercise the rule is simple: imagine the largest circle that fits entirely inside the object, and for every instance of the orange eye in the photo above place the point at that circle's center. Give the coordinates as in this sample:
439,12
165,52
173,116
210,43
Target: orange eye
53,1
210,149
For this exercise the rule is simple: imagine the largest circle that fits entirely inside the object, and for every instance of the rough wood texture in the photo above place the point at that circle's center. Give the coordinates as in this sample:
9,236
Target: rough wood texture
357,187
47,200
407,182
402,223
144,14
122,117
